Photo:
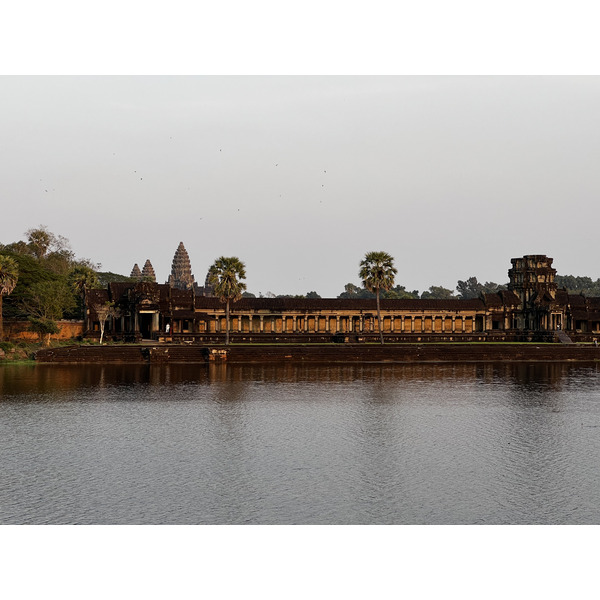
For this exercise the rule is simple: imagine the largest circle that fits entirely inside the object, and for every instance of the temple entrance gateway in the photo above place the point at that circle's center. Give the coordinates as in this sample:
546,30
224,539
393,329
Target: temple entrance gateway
148,322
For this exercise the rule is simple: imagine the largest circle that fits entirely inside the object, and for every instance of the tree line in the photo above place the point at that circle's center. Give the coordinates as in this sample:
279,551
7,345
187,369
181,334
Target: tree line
465,290
42,280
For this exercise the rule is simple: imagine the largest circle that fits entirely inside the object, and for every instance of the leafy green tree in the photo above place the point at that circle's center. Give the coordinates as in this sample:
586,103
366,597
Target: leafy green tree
468,289
39,241
43,327
49,300
350,290
19,247
313,295
47,268
53,250
9,275
354,292
578,285
224,276
489,287
30,272
438,292
399,292
377,273
471,288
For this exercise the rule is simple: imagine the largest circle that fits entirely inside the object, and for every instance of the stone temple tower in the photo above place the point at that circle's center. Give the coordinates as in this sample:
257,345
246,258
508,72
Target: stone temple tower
148,270
136,273
181,270
532,280
532,277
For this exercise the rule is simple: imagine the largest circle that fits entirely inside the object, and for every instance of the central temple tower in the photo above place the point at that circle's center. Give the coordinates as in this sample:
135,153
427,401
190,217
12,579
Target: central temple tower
181,270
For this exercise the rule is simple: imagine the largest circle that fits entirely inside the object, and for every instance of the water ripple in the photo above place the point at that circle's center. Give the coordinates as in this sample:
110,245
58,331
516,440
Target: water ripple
318,444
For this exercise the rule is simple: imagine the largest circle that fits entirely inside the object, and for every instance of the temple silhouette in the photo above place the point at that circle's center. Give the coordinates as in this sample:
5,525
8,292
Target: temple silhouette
531,309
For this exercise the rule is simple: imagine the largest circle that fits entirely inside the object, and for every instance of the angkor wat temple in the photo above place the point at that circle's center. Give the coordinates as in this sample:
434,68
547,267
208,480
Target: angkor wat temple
532,309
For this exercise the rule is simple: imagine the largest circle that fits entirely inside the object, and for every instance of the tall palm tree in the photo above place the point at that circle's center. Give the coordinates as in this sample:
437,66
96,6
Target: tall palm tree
81,278
377,273
9,274
224,276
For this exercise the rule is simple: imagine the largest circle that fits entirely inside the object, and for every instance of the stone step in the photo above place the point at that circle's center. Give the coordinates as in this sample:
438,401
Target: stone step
563,338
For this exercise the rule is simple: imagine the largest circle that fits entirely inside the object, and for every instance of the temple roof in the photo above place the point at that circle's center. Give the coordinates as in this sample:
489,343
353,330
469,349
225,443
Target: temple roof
368,304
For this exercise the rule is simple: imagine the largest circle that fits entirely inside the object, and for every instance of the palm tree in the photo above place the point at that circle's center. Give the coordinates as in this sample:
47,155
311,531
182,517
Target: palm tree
81,278
223,276
377,273
9,273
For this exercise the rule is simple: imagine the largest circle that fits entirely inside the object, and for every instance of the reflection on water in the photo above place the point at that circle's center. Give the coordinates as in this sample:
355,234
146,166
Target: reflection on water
15,380
364,443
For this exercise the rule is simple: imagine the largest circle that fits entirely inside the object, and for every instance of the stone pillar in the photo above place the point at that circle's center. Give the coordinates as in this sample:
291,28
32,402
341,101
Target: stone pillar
453,324
249,323
412,324
337,324
262,324
294,324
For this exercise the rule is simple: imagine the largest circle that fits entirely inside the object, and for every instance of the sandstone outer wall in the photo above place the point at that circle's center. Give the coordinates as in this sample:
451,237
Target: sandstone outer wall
17,331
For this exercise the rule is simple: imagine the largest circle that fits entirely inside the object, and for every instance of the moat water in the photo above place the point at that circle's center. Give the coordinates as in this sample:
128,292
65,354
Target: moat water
314,444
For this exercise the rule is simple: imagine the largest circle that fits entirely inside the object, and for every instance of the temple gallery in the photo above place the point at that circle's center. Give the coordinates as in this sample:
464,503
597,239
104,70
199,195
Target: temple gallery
532,308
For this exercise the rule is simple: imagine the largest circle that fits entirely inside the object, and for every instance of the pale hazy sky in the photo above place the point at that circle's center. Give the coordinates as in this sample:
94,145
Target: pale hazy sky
301,176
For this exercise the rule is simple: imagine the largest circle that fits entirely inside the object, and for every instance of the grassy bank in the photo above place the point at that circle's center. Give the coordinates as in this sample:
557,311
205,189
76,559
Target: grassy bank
24,352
